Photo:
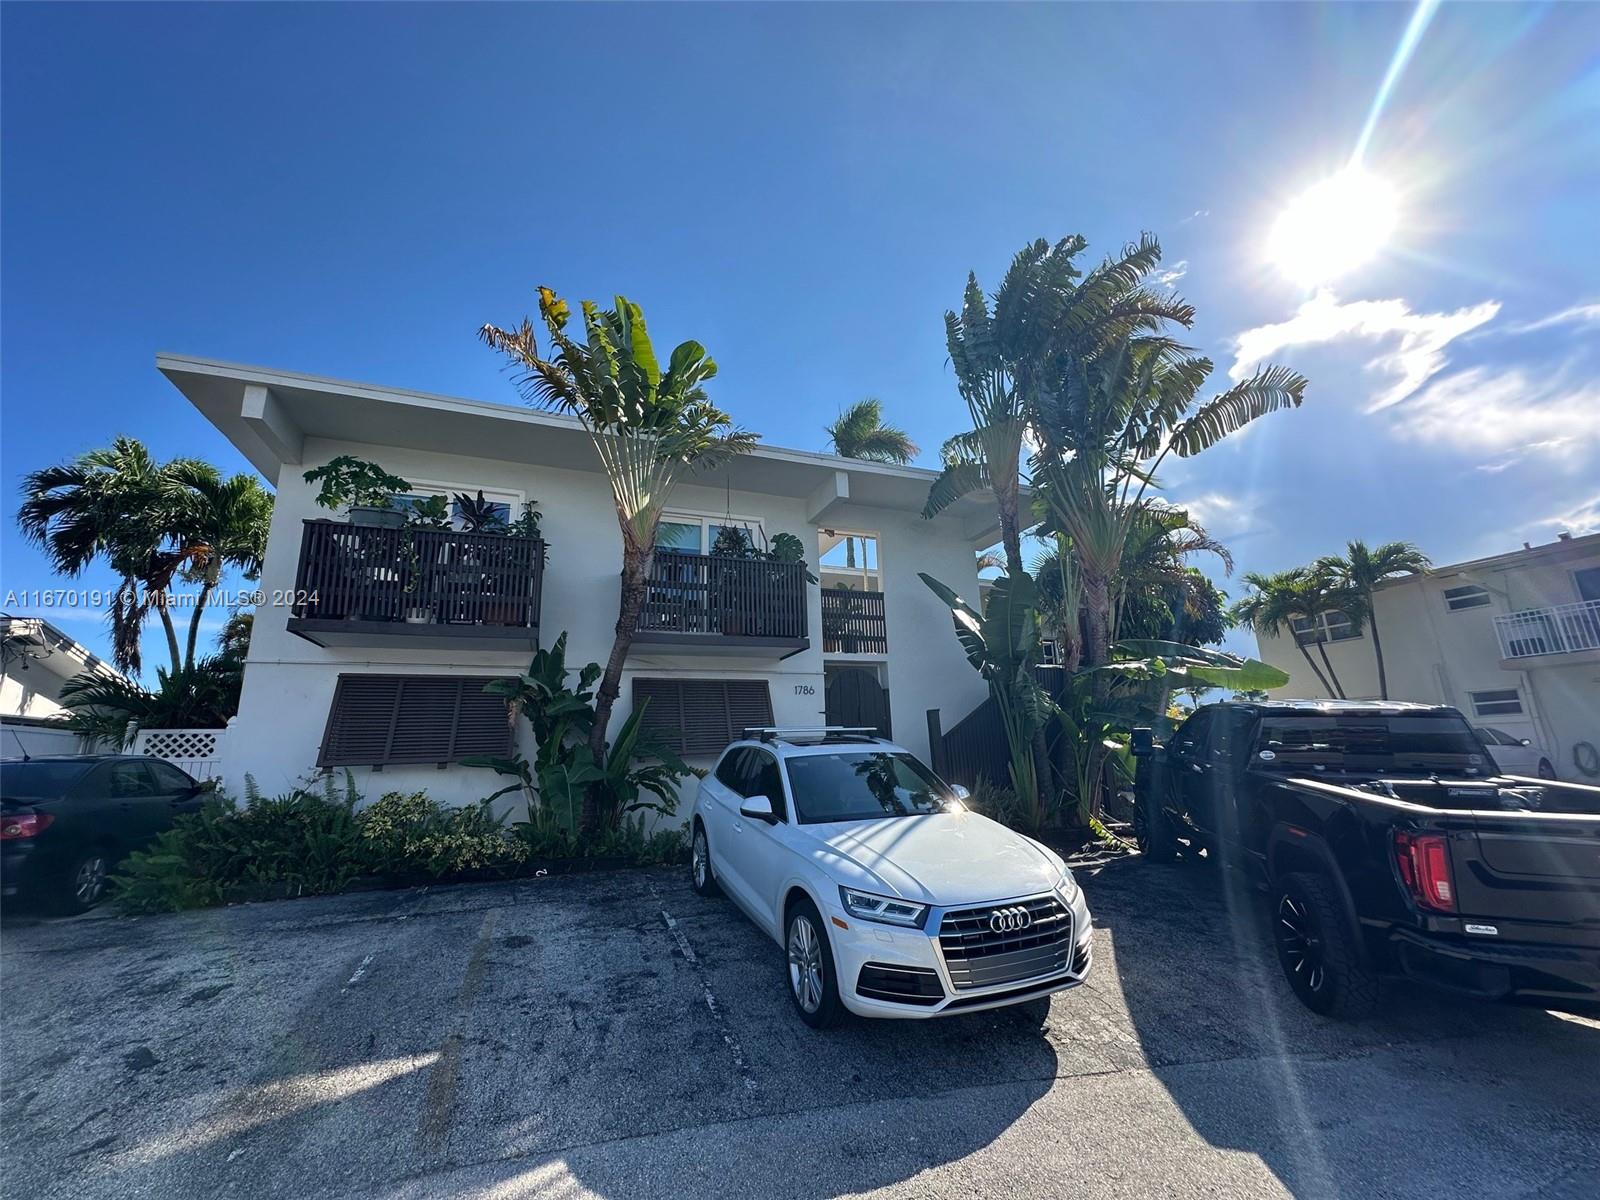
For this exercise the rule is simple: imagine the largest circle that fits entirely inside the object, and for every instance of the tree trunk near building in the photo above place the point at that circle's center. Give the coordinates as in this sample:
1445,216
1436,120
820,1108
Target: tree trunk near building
635,571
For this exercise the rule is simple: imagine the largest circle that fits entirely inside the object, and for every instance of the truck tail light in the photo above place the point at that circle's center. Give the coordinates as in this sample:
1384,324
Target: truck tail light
1424,862
23,825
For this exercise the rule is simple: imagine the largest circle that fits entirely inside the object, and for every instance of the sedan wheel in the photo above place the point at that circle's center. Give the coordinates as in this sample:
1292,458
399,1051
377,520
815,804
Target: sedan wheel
86,886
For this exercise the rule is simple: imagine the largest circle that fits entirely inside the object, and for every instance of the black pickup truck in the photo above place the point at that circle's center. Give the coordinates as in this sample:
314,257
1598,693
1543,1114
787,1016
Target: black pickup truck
1388,844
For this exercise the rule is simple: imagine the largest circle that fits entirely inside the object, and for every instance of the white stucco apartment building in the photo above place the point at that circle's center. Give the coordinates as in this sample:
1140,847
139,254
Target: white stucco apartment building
345,680
1513,641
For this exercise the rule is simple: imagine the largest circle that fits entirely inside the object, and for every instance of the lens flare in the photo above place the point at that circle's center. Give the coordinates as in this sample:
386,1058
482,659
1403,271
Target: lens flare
1334,227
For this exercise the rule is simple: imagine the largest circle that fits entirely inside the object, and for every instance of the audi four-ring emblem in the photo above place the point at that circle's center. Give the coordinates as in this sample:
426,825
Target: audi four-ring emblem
1009,920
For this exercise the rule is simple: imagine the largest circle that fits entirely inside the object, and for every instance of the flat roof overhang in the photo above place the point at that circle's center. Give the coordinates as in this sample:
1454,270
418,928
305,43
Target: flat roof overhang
401,635
720,645
268,414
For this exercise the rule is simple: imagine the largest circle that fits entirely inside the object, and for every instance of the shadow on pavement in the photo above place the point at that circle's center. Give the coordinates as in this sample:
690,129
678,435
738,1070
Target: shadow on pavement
1435,1095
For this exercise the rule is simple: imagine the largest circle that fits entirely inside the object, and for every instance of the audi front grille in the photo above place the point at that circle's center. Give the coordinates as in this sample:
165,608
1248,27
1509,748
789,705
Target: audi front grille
983,946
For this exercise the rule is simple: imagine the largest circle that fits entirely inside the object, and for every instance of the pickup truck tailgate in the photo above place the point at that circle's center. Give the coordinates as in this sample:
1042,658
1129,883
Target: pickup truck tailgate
1542,868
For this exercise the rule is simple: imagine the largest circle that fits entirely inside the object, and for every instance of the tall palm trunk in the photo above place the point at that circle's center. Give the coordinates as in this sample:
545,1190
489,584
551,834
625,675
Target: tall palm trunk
1377,650
1322,653
1312,663
635,571
1097,619
170,631
212,575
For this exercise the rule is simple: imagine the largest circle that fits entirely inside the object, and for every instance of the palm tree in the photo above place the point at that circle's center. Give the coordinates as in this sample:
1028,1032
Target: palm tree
220,523
1273,605
111,504
1104,431
1361,570
859,432
650,428
152,523
1003,358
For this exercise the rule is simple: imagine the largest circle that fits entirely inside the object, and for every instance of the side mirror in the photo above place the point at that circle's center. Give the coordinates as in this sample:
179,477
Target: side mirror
1144,742
1527,741
758,808
959,792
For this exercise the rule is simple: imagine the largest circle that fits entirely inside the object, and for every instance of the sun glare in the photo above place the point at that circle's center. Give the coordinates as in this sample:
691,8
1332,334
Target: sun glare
1333,227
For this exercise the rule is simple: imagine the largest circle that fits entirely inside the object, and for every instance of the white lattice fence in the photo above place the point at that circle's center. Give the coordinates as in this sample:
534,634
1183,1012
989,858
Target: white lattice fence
197,751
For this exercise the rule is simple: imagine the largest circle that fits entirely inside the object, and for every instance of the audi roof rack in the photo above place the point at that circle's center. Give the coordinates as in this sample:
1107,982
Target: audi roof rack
815,733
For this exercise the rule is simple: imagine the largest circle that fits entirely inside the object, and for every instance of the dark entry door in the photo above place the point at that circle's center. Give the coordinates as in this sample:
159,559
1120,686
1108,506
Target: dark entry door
855,697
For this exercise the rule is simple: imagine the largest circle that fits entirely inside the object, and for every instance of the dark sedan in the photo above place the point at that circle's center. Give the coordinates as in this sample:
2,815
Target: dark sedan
66,821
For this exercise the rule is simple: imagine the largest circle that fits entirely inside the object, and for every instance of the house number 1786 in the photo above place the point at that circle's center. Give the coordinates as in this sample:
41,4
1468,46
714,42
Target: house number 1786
805,689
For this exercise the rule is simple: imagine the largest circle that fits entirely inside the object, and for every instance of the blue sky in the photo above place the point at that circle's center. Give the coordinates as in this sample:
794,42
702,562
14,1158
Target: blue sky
352,190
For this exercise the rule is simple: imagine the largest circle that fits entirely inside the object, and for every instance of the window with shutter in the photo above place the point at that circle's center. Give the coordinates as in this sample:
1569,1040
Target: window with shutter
381,719
701,716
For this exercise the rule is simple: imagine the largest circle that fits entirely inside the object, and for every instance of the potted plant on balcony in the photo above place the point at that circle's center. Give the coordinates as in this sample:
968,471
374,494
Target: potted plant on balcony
364,488
732,543
499,603
430,513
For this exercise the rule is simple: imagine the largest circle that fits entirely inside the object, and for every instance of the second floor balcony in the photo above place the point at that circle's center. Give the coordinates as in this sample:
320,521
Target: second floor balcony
853,621
1559,629
711,604
420,588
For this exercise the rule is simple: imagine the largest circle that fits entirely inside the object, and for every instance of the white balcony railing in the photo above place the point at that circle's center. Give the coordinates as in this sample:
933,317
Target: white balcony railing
1562,629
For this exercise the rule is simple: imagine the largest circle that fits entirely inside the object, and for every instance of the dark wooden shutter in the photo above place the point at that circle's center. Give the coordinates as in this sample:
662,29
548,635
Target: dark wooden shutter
701,716
379,719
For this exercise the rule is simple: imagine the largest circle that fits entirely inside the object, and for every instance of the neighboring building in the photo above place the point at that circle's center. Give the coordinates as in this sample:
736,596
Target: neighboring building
36,658
339,677
1513,641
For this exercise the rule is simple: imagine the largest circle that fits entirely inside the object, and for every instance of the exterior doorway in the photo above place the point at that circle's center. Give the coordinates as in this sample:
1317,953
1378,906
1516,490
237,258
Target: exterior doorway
855,695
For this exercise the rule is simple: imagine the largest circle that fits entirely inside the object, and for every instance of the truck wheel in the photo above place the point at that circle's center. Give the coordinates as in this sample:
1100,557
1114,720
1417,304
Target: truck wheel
1316,950
1153,831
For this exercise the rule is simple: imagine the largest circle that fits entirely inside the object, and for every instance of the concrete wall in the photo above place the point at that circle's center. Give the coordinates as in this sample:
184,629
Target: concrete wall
1438,656
289,682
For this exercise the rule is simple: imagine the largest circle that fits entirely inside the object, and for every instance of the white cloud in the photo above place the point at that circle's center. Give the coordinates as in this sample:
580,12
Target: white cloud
1509,412
1176,272
1418,356
1196,215
1578,314
1581,518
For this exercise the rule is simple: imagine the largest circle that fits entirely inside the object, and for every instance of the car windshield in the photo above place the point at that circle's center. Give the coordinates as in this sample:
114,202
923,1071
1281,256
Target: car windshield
860,785
38,780
1437,740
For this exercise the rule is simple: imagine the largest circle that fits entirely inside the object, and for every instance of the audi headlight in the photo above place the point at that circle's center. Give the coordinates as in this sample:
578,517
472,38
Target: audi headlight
887,910
1067,886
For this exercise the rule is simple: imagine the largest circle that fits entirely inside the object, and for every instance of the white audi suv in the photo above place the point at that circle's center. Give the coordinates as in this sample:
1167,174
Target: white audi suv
889,897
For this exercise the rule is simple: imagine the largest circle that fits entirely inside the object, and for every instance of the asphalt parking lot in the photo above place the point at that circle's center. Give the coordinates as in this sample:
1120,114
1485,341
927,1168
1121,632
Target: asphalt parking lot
615,1035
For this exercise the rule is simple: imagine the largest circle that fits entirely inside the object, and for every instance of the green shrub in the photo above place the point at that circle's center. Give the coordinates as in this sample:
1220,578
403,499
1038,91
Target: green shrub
407,835
300,843
310,841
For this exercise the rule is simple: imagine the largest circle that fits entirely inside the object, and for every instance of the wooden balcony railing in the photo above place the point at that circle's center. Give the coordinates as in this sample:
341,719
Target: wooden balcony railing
853,622
437,576
727,597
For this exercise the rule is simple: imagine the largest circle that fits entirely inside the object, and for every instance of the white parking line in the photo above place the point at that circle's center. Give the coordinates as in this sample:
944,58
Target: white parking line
360,971
684,948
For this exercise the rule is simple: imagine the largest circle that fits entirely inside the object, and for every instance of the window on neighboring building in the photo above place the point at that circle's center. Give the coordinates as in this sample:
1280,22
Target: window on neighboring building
380,719
1468,596
1325,627
701,716
1588,583
1501,702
